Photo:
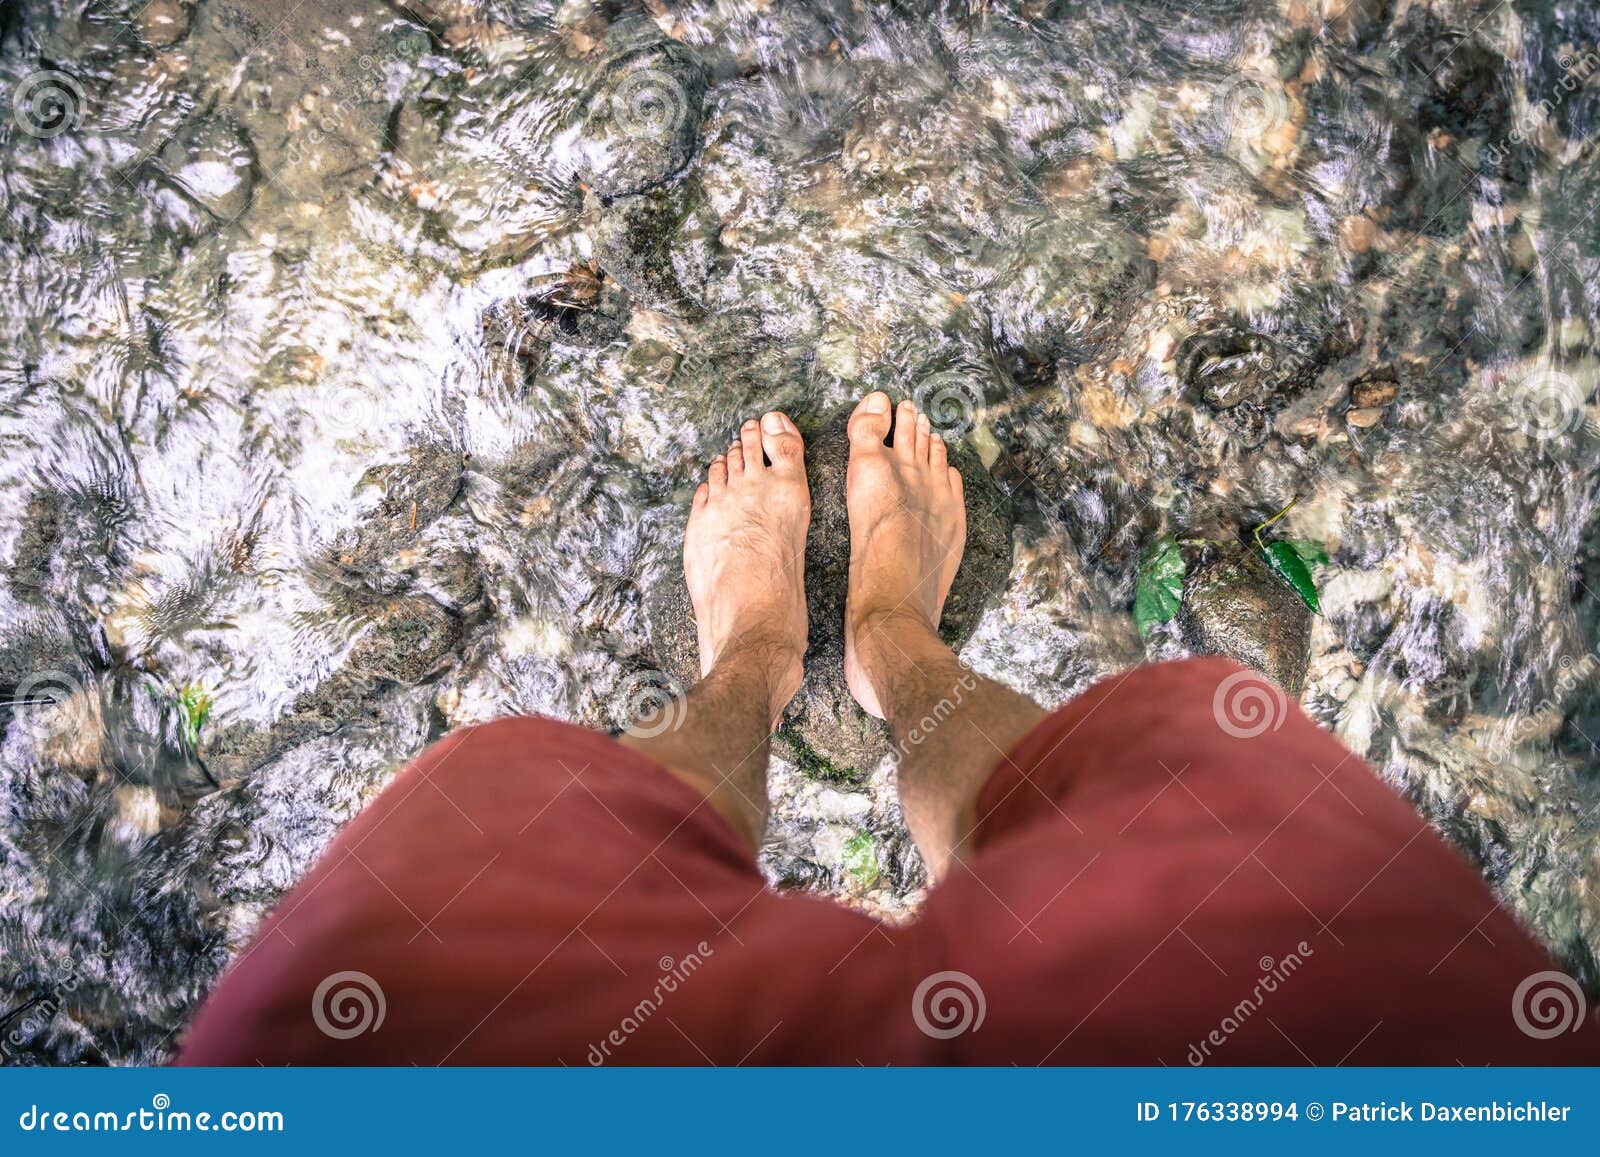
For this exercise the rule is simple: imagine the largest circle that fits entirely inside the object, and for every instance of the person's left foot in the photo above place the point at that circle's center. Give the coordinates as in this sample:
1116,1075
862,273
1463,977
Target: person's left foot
744,556
908,528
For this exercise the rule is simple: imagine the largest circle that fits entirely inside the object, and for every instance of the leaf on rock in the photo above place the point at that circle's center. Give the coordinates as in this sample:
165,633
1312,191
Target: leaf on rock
1158,590
1286,561
1310,552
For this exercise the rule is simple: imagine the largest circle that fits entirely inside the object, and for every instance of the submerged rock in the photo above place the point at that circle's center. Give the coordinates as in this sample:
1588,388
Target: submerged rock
213,164
145,742
310,84
641,122
824,731
390,547
407,640
163,22
1234,606
584,307
1456,76
650,244
1242,377
1071,290
1378,388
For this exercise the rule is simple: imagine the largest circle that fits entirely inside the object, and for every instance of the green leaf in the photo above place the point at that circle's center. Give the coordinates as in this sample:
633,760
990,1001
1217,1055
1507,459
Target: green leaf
1158,590
1310,552
1289,566
861,859
194,704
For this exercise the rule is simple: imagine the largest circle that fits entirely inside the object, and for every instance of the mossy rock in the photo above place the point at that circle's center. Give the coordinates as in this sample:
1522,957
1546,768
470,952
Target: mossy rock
824,731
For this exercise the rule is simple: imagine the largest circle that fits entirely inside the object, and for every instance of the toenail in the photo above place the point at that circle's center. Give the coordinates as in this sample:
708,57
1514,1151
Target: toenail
772,423
750,425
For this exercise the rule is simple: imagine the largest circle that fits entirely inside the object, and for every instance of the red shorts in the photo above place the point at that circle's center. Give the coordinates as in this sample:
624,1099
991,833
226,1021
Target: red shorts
1151,882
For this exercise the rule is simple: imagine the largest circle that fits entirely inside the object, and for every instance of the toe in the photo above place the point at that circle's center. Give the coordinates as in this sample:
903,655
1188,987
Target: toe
938,454
717,475
905,431
702,494
869,424
750,435
735,461
955,480
924,438
781,441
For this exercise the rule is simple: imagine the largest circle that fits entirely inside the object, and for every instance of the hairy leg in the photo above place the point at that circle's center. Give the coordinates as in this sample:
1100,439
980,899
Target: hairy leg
950,725
744,560
907,532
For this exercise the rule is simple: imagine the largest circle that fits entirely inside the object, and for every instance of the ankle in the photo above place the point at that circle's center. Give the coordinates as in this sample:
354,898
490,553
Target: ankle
765,660
888,634
901,659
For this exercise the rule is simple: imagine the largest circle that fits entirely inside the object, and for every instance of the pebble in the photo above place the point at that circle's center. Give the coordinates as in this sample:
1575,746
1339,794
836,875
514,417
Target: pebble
212,163
838,354
1358,233
1377,390
163,22
1364,418
1309,426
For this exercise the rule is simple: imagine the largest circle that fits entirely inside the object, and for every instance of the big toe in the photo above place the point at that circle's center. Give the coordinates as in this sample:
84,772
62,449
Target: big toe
782,442
870,421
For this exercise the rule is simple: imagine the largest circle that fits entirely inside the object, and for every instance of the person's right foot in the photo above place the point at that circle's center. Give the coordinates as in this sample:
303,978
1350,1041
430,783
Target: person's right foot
908,526
744,555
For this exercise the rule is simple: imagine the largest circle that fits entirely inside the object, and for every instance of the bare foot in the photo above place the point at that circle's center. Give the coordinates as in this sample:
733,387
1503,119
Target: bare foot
908,527
744,555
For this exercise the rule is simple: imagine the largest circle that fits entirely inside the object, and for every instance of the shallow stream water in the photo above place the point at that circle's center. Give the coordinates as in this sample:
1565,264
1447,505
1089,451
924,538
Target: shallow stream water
357,361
